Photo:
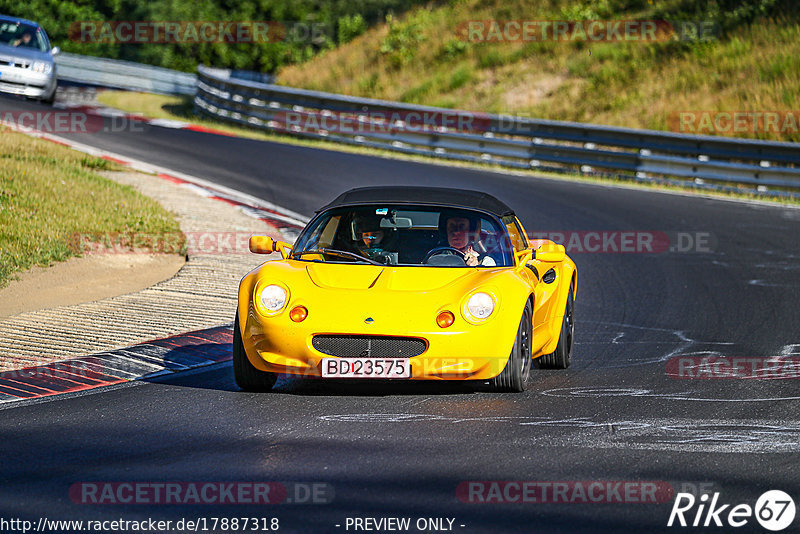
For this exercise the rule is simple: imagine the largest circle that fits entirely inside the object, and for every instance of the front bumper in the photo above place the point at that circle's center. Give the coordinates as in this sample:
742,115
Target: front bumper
18,81
461,352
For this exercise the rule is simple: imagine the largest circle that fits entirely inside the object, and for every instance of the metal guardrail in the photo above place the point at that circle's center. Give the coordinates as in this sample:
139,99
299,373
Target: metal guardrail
120,74
645,155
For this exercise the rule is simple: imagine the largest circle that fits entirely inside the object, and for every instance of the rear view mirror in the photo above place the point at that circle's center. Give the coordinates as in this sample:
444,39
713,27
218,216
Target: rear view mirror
55,50
396,222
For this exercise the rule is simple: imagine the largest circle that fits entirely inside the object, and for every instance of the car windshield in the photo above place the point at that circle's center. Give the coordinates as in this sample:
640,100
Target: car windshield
405,236
21,35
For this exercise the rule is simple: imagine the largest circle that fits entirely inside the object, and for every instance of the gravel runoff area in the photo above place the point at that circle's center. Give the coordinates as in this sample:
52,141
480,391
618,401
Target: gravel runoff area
202,294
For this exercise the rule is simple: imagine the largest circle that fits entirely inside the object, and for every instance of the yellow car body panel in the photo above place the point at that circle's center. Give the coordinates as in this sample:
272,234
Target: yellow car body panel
403,301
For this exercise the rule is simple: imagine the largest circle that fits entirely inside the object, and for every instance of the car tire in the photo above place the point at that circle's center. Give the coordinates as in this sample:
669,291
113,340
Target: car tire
562,356
516,374
246,375
51,99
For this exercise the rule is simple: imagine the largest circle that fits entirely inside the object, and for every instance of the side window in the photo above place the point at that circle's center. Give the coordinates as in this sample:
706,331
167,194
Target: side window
490,238
323,235
516,235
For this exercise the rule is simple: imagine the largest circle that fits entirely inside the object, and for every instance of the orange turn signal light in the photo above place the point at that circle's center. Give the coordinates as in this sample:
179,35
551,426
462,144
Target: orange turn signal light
298,314
445,319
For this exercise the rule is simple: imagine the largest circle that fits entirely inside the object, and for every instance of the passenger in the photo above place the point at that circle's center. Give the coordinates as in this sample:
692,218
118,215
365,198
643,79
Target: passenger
462,234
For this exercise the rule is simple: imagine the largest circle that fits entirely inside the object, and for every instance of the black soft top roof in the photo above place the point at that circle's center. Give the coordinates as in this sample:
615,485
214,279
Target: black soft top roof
429,196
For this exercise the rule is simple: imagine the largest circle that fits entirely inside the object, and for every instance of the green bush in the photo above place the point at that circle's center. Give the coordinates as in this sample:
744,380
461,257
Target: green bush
340,21
349,27
404,38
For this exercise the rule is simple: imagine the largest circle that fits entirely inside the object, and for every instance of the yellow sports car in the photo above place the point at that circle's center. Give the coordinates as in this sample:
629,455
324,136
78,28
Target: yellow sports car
406,283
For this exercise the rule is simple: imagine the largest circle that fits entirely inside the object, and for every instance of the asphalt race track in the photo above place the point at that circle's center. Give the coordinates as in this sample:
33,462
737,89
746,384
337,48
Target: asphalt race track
404,450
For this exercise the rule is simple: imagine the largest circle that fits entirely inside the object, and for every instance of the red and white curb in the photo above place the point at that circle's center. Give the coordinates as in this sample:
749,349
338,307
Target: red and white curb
142,361
103,111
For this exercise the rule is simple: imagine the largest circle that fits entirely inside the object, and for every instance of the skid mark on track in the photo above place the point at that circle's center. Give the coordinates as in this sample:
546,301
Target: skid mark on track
599,392
676,343
688,435
764,283
791,350
613,333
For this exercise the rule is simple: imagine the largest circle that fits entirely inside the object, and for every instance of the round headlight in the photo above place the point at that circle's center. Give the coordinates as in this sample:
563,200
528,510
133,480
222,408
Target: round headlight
42,66
273,298
480,305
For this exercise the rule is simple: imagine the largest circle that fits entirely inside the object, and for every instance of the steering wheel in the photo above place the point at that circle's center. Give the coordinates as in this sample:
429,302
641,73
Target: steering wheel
440,250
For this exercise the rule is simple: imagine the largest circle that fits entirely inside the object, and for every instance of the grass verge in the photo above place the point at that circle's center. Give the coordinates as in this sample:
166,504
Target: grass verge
426,56
50,192
177,108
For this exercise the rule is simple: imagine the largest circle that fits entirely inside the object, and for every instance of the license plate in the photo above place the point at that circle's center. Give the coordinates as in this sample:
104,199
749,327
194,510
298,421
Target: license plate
366,368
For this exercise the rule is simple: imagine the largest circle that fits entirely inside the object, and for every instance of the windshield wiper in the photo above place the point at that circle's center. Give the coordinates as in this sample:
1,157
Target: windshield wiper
336,252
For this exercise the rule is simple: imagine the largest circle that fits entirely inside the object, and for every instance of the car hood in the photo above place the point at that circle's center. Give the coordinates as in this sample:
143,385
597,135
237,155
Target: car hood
24,53
343,276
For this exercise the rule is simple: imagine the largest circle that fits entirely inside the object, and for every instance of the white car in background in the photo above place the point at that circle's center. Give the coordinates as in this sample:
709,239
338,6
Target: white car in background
27,67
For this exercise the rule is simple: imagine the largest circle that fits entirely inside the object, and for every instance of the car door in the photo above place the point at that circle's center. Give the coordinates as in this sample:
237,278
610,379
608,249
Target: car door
519,242
545,295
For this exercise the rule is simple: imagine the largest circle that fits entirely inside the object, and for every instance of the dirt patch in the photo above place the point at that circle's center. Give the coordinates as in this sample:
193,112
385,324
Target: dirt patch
86,279
532,90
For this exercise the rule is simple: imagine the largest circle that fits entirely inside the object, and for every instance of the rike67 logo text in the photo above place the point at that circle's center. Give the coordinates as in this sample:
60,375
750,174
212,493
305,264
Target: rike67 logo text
774,510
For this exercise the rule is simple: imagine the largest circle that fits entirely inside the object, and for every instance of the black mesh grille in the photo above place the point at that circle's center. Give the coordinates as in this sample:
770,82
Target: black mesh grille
369,346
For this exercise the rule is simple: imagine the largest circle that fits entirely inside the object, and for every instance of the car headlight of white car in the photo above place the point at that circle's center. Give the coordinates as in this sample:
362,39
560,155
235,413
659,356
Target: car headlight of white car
273,298
480,306
42,67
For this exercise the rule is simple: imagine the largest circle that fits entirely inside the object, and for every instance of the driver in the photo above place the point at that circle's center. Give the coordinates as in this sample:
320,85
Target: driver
24,40
370,237
462,232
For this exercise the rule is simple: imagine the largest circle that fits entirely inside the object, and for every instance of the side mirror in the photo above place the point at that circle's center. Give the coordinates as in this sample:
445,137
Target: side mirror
261,244
551,253
55,50
523,257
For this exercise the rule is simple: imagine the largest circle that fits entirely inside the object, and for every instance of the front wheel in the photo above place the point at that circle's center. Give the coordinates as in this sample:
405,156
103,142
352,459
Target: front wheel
562,356
514,377
246,375
50,99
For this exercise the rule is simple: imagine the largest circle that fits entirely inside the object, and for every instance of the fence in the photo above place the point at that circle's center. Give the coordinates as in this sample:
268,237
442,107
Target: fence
120,74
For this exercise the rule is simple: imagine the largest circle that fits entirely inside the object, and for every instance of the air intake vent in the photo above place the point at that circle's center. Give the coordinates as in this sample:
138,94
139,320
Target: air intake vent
369,346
